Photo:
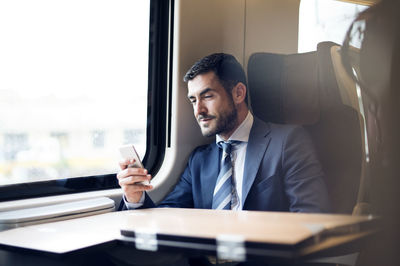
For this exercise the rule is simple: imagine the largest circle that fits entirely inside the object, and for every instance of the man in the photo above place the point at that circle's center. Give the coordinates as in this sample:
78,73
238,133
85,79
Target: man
252,166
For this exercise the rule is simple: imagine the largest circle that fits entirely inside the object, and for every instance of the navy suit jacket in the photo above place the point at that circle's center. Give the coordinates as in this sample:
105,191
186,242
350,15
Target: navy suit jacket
281,173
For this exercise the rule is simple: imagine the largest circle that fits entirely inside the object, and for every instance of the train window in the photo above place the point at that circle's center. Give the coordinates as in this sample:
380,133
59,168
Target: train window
75,82
324,20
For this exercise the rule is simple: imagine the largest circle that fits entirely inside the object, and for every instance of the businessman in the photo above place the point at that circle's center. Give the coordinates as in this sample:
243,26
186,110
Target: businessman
253,165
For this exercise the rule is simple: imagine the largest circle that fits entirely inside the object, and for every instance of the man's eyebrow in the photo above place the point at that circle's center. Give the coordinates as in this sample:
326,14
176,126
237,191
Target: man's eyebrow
201,93
206,91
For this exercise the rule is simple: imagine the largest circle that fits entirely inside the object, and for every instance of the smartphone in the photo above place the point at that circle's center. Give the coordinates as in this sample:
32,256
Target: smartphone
129,152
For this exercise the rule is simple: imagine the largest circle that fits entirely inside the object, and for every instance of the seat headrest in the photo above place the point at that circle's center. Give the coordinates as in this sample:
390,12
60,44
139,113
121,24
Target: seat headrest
285,88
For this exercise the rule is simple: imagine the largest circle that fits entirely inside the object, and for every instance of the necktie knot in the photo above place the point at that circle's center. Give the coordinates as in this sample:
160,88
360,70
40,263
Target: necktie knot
226,146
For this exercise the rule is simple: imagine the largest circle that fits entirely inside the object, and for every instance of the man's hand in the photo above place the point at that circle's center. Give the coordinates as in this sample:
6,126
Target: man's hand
128,179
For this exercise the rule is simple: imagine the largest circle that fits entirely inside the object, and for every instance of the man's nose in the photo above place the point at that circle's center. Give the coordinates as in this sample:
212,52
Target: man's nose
200,108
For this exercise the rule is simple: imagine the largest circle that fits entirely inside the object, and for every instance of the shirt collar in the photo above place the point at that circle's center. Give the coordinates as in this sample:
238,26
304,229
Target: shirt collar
242,132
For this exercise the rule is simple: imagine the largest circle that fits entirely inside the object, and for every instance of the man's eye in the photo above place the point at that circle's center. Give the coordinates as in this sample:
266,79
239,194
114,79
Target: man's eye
207,96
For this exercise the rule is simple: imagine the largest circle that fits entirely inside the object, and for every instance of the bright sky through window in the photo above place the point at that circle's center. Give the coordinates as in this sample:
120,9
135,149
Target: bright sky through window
68,69
324,20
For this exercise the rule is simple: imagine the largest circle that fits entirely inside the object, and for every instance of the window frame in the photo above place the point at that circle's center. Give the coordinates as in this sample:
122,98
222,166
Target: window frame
160,48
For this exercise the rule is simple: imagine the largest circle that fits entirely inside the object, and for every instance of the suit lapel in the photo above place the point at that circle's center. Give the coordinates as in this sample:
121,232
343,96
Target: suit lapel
210,174
258,142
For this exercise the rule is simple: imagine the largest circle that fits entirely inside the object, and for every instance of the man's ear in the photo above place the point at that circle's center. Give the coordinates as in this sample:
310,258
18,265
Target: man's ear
239,93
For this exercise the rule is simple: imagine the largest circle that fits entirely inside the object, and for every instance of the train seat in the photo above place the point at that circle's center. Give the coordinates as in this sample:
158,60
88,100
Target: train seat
303,89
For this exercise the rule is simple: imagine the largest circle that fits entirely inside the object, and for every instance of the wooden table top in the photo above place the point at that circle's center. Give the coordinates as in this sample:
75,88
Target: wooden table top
254,226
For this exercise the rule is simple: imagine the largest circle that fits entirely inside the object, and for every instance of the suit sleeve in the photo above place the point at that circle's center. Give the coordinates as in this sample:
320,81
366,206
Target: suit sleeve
304,178
181,196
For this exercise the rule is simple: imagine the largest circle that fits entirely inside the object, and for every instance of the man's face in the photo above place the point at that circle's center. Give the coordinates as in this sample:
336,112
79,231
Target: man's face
213,107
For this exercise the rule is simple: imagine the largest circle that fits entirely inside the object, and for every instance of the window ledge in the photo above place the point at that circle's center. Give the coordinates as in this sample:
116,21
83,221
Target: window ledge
57,212
114,194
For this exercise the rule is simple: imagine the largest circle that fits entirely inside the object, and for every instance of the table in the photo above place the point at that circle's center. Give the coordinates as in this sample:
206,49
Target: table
232,235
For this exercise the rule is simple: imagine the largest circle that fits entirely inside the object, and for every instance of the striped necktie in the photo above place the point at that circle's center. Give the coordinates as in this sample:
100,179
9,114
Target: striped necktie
225,195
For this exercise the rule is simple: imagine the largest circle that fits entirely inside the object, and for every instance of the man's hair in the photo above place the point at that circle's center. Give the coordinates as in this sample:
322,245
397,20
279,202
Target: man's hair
225,66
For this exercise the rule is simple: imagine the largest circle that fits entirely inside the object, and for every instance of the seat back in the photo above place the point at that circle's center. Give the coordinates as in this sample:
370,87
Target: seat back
302,89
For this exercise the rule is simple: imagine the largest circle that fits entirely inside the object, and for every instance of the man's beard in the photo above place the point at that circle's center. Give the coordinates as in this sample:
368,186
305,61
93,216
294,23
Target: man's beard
225,122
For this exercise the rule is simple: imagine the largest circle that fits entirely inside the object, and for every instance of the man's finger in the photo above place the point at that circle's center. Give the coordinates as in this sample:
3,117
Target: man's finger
123,164
131,172
133,180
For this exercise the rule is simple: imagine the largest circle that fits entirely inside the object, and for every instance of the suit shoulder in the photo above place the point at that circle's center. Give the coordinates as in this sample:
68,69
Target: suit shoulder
286,132
200,154
291,135
202,150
